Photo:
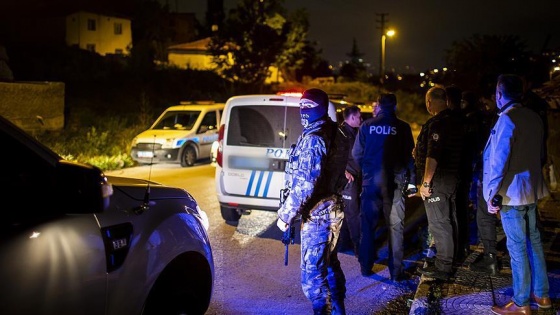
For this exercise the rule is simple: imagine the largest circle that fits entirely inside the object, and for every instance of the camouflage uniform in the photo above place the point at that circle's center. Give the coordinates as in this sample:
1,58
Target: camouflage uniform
322,279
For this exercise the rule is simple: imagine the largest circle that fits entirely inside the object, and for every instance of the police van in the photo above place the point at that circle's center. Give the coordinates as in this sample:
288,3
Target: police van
255,135
182,134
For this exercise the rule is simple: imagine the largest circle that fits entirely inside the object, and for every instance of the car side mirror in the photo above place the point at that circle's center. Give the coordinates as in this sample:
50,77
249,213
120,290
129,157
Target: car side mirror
83,188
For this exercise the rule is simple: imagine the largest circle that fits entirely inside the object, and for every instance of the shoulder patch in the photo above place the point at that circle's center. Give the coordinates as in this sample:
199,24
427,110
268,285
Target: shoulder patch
435,137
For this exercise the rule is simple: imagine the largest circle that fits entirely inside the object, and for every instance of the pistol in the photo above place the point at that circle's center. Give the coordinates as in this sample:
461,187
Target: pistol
288,238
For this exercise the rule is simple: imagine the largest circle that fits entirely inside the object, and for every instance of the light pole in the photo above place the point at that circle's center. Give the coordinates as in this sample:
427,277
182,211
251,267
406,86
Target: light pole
384,35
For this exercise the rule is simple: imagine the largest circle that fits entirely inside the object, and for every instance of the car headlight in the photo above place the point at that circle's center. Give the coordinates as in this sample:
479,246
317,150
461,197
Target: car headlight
203,218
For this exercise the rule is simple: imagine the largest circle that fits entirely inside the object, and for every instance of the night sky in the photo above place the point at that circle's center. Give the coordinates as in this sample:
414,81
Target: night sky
425,29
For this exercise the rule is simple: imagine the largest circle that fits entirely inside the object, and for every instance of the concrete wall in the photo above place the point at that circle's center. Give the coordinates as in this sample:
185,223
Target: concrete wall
33,106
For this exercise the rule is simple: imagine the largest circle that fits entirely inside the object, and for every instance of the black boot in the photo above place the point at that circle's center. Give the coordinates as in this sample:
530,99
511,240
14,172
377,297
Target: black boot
487,263
338,307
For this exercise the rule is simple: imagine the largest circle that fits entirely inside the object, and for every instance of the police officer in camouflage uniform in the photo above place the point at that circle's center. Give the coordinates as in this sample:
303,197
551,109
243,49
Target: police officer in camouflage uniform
383,149
320,207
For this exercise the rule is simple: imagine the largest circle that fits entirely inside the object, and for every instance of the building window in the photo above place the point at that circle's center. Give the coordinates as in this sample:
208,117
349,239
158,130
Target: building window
90,47
91,25
118,28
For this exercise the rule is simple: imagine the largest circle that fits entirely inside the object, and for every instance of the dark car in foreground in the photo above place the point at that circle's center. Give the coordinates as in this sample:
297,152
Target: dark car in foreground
73,241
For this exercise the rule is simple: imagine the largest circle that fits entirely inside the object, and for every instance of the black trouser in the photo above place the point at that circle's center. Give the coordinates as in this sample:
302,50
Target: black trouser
486,223
461,216
350,232
387,200
438,210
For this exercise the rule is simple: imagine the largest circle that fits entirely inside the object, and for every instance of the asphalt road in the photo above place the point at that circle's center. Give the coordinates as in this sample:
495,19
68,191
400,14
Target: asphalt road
251,277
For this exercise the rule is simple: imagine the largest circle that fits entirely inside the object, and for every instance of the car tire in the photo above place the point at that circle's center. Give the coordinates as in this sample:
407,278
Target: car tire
230,215
188,158
184,287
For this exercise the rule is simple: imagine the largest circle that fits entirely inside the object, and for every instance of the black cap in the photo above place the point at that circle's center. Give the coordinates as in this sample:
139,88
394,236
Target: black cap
387,100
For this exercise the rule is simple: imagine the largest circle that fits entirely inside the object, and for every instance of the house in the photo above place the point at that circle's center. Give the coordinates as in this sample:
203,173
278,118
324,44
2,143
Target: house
192,55
195,55
102,34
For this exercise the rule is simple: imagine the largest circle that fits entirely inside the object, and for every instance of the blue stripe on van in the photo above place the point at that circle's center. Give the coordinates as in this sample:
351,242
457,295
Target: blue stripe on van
248,192
265,194
259,182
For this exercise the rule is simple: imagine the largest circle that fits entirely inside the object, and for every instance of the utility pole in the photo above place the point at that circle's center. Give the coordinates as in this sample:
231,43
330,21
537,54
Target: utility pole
382,21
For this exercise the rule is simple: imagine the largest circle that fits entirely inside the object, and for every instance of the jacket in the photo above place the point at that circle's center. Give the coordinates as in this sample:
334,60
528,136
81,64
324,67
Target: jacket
512,158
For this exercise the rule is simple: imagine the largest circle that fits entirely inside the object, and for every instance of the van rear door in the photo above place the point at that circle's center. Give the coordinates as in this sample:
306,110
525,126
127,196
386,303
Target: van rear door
257,139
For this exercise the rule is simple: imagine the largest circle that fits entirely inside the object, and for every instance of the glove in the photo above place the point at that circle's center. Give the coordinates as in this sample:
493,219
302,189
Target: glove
283,226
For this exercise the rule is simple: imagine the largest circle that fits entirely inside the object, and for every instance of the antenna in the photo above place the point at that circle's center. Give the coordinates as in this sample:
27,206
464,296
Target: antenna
146,203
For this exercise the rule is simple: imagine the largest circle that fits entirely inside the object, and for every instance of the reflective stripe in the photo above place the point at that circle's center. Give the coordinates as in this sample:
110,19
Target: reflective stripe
248,192
259,183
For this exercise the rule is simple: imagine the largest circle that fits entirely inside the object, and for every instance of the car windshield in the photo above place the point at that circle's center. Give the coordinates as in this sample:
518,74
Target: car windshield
176,120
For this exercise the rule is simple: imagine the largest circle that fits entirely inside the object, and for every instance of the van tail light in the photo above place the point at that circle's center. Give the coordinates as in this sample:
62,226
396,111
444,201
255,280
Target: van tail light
220,144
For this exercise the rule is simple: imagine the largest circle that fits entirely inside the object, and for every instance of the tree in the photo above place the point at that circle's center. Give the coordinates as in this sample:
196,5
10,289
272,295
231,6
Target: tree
354,69
297,50
476,62
150,34
255,36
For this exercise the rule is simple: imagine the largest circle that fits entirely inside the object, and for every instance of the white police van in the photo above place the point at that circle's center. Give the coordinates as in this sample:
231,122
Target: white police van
255,136
181,134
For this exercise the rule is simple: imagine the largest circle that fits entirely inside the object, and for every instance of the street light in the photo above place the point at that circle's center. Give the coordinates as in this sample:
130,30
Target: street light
389,33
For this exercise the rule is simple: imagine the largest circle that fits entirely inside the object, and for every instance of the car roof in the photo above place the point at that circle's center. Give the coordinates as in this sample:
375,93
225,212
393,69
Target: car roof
255,98
199,107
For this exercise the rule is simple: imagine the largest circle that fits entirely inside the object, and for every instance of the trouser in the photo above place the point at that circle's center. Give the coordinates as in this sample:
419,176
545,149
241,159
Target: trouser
350,231
461,217
528,265
322,278
438,212
486,223
386,200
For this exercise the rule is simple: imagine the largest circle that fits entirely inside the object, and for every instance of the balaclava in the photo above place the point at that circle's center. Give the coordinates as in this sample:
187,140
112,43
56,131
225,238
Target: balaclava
313,106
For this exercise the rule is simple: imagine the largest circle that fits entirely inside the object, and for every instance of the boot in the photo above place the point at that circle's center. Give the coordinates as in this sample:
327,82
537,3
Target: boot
487,263
338,307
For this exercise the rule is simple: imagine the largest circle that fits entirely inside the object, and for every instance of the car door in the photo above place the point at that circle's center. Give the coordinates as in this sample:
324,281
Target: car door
208,133
52,263
52,266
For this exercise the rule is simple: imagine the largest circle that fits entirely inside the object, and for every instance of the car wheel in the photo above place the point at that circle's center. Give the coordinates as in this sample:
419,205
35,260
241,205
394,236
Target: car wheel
230,215
189,156
184,287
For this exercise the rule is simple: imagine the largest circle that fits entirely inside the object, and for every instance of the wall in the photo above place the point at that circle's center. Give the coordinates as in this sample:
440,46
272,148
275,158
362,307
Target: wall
33,106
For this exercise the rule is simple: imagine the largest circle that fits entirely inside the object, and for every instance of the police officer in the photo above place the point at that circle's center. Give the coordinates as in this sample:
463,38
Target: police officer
383,149
311,196
350,231
438,161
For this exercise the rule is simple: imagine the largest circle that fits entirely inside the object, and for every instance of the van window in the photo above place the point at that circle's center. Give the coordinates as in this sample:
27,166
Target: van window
178,120
209,122
263,126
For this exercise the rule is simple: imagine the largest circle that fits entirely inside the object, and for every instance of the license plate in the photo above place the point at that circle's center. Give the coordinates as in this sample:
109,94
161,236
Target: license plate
145,154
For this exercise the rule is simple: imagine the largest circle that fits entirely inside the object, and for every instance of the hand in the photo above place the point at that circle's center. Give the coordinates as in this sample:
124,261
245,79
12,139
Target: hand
283,226
409,187
349,176
425,192
491,208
